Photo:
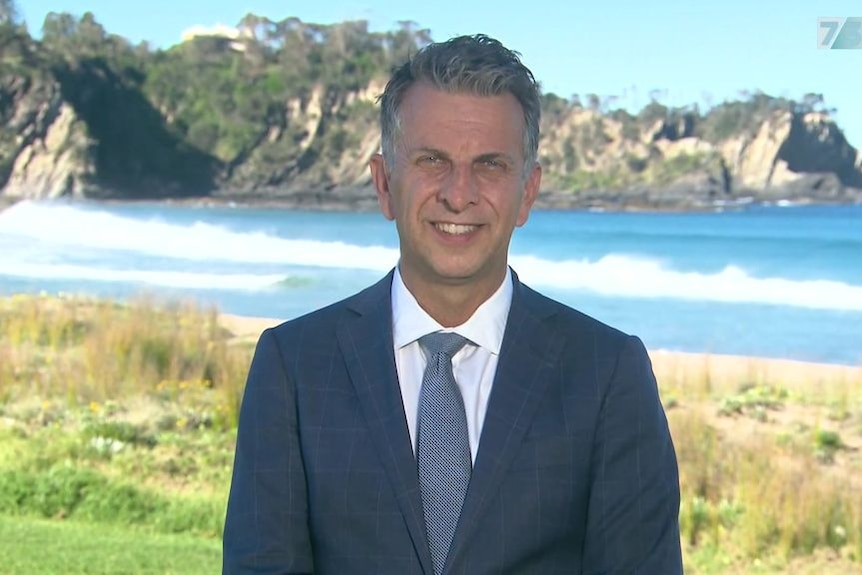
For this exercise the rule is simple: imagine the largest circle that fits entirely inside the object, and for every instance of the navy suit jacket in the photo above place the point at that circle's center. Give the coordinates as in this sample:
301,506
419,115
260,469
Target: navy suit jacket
575,471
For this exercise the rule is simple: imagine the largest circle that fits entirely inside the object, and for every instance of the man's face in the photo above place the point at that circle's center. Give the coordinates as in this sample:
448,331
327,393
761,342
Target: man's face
456,187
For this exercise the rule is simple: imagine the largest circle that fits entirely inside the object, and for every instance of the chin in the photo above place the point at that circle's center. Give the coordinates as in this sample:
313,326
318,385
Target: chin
461,274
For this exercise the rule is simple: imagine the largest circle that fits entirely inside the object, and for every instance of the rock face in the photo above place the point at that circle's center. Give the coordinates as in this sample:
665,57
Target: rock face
45,146
677,162
317,143
790,148
85,132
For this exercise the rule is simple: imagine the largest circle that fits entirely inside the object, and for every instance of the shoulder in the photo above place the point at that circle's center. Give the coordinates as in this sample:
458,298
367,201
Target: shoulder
600,360
323,322
568,322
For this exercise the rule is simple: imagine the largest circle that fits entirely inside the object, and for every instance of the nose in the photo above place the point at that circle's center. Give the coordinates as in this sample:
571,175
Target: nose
459,191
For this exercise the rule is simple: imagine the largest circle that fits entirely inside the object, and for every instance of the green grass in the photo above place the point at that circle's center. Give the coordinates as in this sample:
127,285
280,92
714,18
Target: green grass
70,491
70,548
118,423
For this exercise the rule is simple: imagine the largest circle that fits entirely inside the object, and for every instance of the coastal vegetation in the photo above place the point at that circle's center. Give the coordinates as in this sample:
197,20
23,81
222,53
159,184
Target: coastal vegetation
284,110
117,426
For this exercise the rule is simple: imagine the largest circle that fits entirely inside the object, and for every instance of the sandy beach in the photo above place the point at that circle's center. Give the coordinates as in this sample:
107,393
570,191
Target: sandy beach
723,370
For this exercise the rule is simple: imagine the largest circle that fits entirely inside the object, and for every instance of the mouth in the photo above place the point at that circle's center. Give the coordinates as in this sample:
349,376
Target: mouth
455,229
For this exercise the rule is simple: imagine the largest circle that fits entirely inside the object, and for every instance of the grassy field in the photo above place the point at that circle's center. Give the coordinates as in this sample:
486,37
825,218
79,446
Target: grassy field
51,547
117,426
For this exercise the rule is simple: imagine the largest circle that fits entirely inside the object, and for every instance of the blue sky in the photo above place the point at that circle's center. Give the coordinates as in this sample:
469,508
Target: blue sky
687,51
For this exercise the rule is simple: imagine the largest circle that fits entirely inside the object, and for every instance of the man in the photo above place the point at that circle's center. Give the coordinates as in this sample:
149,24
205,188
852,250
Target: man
532,441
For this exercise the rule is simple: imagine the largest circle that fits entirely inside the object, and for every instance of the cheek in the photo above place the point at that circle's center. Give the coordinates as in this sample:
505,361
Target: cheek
416,199
405,213
509,204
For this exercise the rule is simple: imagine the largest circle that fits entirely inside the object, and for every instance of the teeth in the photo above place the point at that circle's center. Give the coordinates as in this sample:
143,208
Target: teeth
455,229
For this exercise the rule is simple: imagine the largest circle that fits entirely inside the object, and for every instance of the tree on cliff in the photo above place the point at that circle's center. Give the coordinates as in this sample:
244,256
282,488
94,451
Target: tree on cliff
8,13
17,49
284,102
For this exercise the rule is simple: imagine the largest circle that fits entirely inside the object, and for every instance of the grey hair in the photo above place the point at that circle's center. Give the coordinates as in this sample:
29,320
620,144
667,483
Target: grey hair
467,64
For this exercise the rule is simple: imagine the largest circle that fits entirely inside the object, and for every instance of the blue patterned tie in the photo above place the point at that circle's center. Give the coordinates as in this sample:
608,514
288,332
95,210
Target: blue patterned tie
443,449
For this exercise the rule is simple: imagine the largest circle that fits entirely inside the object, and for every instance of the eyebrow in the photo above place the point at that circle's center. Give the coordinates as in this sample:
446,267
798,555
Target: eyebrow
494,156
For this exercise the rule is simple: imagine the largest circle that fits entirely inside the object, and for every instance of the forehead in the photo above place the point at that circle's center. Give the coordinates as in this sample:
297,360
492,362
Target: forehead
427,112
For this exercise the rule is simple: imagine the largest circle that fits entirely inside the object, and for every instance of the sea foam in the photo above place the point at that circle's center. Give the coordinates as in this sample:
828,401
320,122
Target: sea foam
67,228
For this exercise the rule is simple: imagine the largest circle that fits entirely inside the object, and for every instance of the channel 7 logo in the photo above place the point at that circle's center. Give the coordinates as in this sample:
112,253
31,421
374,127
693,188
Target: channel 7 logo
839,33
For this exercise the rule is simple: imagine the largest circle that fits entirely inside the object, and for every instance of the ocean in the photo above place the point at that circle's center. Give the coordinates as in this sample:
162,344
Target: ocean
771,281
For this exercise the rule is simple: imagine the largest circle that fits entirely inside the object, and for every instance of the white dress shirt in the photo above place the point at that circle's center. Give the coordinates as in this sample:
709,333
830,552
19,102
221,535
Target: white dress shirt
474,365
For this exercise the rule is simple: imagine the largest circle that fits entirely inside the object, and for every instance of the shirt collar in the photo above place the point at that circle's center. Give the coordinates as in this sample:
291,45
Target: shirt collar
485,328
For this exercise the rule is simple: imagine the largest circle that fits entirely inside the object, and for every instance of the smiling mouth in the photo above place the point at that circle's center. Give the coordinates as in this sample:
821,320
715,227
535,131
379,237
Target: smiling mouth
455,229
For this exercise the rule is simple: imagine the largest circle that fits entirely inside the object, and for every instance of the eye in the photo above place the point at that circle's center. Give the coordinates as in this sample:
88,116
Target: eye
493,164
429,160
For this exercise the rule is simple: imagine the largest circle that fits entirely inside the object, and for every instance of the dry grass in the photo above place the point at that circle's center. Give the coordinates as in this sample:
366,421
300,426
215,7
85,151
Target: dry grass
770,452
91,352
769,456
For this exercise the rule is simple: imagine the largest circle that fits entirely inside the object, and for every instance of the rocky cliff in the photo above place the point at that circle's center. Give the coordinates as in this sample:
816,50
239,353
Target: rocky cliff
237,120
80,130
684,160
43,144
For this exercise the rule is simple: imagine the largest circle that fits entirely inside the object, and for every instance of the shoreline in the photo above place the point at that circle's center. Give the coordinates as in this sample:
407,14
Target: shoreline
723,369
549,201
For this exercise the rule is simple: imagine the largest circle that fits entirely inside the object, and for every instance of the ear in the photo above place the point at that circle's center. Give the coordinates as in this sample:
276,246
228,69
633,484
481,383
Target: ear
531,192
381,184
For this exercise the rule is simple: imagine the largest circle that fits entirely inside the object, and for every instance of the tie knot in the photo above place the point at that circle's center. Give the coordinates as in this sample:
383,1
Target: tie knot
447,343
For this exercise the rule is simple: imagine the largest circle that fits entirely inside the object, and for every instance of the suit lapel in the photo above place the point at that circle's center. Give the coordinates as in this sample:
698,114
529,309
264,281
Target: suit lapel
527,362
365,340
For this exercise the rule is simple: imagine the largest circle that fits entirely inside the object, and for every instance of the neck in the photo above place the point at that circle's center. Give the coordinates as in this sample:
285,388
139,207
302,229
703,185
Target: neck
451,304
